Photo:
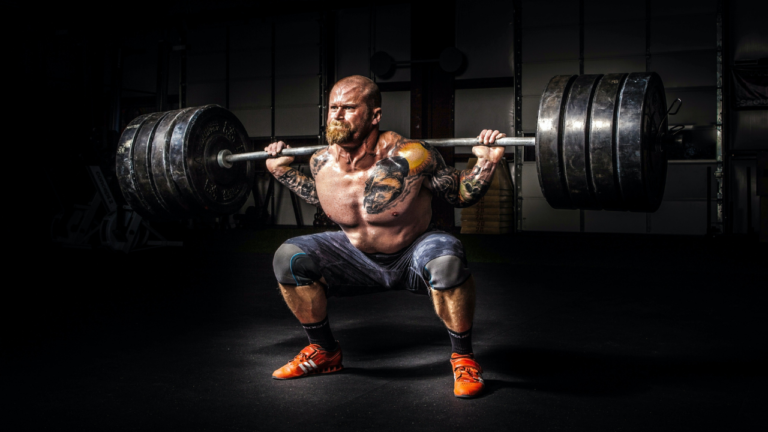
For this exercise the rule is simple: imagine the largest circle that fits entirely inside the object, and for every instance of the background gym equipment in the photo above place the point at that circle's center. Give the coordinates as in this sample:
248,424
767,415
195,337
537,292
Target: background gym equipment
74,227
599,145
120,228
494,212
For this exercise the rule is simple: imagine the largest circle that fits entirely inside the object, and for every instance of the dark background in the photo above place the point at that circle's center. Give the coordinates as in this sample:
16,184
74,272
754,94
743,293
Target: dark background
590,321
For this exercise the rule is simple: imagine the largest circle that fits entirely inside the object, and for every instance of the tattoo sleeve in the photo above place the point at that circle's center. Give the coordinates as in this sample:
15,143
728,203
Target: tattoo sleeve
299,183
461,188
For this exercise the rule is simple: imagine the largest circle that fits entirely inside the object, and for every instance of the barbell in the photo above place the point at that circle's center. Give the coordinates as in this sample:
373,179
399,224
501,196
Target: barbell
599,145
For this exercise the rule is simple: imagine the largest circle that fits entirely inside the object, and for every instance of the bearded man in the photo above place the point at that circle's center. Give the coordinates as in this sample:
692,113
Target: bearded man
378,186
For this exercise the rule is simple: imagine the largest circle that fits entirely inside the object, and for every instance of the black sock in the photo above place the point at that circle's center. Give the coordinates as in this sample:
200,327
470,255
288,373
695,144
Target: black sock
461,342
320,333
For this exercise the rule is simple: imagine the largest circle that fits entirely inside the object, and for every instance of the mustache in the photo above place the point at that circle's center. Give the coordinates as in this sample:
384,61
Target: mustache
338,124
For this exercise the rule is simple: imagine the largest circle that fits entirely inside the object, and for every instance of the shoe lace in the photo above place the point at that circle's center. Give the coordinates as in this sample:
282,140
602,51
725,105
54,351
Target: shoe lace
302,356
473,373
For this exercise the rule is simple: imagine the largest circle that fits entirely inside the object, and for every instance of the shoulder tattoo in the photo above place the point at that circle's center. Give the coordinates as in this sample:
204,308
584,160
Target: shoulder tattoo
421,159
319,159
392,179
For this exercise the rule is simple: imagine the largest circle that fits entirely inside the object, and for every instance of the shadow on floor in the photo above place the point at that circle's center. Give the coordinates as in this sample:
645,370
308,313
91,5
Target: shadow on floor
595,374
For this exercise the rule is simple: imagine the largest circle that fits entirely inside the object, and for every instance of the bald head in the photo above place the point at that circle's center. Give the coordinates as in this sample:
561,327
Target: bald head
369,90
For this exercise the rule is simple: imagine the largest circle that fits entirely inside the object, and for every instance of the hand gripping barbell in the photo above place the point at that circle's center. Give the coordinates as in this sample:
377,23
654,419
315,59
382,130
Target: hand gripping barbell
599,145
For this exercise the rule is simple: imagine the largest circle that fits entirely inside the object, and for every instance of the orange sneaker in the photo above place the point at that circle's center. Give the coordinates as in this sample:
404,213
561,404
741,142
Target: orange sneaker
311,360
467,376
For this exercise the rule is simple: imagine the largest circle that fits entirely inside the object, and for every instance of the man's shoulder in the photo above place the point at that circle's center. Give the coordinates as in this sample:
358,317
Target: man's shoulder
419,155
388,140
318,160
323,152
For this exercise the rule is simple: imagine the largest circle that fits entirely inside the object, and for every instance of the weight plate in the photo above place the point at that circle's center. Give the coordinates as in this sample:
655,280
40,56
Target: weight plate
126,175
602,142
549,132
575,135
168,193
655,162
142,163
641,165
198,137
127,171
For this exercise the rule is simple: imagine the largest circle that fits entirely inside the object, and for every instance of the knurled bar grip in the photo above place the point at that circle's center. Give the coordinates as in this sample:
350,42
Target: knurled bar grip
226,158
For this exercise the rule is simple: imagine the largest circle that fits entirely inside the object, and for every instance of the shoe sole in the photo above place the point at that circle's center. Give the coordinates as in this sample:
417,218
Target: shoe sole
327,370
471,396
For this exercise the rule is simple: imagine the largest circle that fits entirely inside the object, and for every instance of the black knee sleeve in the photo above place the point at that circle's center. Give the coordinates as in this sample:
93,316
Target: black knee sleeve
293,267
445,272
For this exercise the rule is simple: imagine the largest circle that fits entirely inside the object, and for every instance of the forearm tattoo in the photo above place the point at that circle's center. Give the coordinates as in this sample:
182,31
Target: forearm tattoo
300,184
462,188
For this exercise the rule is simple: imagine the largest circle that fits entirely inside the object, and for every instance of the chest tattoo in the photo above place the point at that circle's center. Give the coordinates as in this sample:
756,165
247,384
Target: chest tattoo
392,179
386,184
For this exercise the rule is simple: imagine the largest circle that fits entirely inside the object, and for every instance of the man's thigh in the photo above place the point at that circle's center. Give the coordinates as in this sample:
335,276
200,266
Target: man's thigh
439,259
348,271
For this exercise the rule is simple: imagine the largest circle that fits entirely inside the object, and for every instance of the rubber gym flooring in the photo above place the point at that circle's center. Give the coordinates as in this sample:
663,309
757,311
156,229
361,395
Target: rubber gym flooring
575,332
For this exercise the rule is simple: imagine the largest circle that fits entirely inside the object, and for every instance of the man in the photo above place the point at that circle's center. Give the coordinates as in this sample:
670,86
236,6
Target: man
378,187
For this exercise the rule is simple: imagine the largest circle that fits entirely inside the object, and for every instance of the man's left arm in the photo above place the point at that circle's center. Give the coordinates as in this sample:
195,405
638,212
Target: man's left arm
465,188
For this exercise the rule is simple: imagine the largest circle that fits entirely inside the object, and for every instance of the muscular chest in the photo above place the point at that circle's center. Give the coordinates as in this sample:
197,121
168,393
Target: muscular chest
374,196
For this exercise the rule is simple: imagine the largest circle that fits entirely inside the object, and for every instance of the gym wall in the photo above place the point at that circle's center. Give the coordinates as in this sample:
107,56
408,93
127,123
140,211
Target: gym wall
676,38
749,127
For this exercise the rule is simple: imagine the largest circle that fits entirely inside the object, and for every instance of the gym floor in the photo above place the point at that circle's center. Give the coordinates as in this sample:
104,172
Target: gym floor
575,332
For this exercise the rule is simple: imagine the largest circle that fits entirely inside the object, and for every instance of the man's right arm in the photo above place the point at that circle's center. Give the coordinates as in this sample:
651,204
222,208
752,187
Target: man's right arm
296,181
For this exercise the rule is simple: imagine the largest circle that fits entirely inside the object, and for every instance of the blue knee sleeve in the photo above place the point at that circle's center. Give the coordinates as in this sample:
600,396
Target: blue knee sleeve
293,267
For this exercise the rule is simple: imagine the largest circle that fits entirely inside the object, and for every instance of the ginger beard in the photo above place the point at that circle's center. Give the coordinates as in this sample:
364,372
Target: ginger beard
339,132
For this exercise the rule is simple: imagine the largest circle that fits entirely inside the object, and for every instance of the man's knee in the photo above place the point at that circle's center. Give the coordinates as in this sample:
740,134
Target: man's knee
446,272
294,267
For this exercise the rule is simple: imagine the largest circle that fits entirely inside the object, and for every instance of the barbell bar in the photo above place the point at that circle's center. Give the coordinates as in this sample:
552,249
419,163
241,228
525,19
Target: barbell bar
227,158
599,145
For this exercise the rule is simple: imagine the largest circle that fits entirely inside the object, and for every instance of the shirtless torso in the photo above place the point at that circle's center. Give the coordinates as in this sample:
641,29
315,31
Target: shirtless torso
378,186
382,208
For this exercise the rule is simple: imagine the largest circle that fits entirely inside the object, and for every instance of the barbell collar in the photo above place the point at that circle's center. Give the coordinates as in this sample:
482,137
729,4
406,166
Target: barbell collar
226,158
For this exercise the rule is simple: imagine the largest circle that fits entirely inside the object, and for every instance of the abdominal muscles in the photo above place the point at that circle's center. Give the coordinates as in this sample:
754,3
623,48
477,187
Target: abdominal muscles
387,231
